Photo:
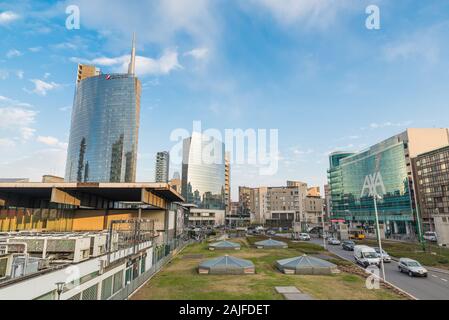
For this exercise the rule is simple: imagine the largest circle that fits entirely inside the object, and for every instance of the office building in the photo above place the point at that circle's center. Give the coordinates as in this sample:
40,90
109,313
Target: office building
227,182
105,125
48,230
52,178
175,182
203,178
385,169
327,201
431,171
162,166
286,206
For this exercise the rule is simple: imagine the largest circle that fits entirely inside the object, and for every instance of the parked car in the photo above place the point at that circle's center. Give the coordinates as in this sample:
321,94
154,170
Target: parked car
366,256
430,236
348,245
333,241
385,256
304,237
412,267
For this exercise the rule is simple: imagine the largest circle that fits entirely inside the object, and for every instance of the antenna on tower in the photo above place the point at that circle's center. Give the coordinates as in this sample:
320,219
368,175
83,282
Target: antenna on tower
132,63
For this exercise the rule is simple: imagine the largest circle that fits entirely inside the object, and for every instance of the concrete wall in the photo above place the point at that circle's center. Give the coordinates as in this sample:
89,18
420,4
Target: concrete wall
424,140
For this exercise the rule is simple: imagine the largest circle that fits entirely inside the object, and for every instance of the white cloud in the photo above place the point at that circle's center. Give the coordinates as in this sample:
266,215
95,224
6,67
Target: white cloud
8,102
51,141
423,45
7,17
313,12
66,108
198,53
144,66
66,45
35,49
36,164
6,142
16,117
41,87
376,125
20,73
156,21
27,133
13,53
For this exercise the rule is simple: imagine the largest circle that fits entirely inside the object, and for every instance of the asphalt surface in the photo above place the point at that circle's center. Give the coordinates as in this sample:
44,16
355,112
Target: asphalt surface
434,287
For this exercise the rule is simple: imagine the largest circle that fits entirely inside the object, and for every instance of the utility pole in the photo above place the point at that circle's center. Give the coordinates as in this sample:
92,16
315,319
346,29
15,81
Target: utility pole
322,223
375,197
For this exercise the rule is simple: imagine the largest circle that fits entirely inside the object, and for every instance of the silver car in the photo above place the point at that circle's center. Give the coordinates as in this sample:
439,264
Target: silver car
385,256
333,241
412,268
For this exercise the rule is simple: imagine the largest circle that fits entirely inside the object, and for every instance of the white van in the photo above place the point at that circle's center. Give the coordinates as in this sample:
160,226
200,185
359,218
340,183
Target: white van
366,256
430,236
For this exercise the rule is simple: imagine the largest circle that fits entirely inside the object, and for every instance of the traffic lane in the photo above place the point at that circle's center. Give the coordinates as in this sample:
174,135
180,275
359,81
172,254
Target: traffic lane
434,287
430,288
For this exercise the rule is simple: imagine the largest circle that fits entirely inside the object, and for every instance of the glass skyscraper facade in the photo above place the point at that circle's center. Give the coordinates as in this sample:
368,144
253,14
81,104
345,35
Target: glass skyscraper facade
104,130
355,178
203,172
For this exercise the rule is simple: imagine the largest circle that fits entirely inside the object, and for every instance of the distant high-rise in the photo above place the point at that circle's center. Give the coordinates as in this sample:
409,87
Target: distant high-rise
227,182
162,166
203,180
105,126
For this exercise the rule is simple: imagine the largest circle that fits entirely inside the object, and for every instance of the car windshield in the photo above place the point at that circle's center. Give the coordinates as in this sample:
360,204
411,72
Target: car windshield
369,255
413,264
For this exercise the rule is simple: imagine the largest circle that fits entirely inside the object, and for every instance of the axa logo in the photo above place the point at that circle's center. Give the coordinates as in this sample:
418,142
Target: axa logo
373,184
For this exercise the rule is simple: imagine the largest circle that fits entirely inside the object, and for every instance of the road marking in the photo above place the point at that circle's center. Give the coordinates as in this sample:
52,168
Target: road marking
434,276
444,280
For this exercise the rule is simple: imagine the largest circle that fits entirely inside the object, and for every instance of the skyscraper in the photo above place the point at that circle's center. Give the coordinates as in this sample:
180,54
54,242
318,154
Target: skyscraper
162,166
227,182
105,125
203,179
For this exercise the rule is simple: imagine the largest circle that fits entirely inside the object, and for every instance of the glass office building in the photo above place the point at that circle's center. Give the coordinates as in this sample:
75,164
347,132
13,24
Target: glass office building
382,169
385,169
203,172
105,126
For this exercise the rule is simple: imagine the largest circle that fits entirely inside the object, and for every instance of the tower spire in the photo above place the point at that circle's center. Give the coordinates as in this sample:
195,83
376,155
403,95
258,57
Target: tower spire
132,63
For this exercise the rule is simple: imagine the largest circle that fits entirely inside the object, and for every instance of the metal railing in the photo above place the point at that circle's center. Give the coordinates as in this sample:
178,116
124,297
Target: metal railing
161,256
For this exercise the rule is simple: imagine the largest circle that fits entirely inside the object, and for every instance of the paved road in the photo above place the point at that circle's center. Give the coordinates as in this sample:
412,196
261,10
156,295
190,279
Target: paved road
434,287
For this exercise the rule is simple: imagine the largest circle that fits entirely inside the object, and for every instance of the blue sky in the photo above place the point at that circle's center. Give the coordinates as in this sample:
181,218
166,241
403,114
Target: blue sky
310,69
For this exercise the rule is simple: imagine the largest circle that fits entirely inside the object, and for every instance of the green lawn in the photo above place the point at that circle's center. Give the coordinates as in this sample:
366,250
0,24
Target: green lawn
434,256
180,280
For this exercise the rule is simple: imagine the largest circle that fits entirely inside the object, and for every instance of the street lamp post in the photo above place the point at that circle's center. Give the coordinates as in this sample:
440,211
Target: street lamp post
322,223
59,288
376,197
